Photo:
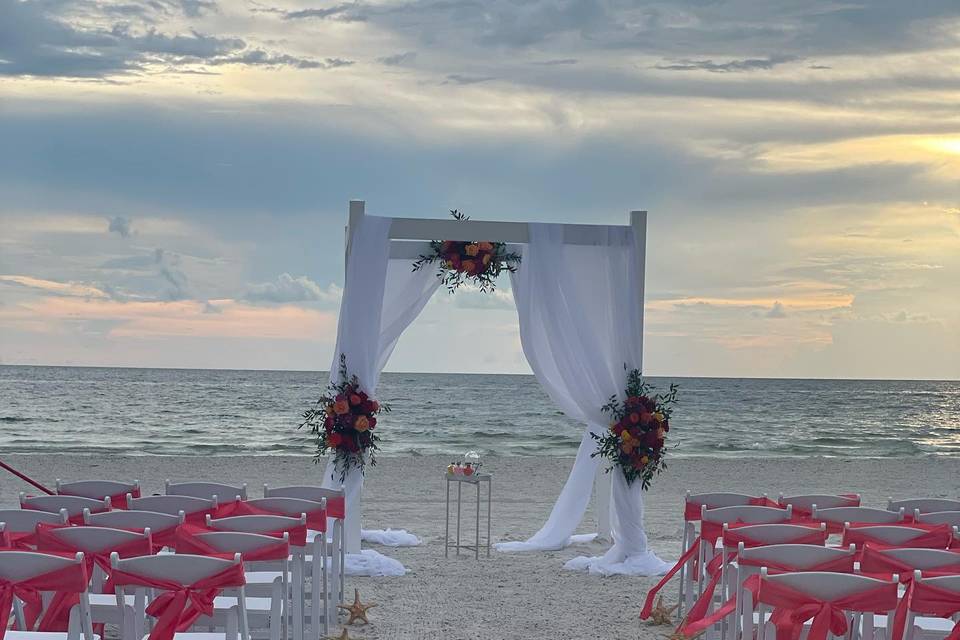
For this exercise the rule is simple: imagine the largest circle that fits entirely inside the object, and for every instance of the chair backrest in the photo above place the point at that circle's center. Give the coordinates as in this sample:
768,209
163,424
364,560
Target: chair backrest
239,542
26,521
924,505
292,507
256,523
890,535
806,502
182,569
719,499
172,505
825,585
947,583
98,539
937,517
798,557
776,533
303,492
73,504
16,566
208,490
746,513
134,519
97,489
923,559
869,515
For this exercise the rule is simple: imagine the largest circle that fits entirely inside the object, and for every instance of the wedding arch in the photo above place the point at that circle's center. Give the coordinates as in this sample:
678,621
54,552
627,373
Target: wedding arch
579,291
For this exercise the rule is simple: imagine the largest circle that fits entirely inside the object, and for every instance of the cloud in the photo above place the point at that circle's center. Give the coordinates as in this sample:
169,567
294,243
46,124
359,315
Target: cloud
344,11
557,62
51,287
749,64
120,225
776,311
457,78
36,41
398,59
287,289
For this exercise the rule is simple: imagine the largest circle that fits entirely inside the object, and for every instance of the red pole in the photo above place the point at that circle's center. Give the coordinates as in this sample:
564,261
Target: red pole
25,478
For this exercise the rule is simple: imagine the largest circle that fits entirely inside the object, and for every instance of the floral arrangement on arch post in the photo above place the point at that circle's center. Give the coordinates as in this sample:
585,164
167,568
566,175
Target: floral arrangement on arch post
636,439
343,420
462,261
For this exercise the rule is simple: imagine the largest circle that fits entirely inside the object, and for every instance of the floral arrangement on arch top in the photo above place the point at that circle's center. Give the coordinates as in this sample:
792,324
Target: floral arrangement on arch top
464,261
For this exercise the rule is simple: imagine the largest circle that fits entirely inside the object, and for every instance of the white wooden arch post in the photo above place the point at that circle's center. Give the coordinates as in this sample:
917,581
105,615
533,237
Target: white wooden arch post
410,237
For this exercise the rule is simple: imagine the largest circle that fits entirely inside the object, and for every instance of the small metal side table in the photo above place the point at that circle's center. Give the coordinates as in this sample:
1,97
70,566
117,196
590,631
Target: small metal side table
476,479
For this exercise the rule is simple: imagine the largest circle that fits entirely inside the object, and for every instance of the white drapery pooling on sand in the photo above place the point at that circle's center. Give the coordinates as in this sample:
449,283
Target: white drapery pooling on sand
381,297
579,317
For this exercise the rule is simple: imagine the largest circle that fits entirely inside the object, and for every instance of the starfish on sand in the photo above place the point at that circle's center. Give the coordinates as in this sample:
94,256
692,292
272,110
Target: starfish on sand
357,610
661,614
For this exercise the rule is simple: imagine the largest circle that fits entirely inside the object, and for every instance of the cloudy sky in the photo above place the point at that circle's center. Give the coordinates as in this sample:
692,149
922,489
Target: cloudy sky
174,174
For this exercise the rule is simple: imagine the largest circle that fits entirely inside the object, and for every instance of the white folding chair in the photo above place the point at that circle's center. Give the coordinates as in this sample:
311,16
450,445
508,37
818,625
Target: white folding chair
100,542
271,613
207,490
826,586
24,521
923,505
323,590
933,626
796,557
258,581
334,536
884,534
183,571
21,567
73,504
97,489
951,518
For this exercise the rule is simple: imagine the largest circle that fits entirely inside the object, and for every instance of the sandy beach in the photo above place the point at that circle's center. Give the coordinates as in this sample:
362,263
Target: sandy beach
509,596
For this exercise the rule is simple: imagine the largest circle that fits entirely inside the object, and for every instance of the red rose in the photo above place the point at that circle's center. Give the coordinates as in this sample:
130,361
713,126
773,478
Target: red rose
355,399
634,417
618,429
446,246
328,423
373,422
334,440
340,398
455,262
367,407
375,406
646,418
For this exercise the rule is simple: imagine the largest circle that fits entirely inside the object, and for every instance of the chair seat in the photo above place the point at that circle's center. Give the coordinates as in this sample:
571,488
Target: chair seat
39,635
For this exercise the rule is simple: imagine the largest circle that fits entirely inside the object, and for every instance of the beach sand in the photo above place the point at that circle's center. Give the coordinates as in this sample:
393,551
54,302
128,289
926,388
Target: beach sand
508,596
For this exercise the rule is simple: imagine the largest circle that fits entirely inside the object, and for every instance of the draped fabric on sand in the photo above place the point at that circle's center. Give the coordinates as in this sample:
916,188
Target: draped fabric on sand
580,322
381,297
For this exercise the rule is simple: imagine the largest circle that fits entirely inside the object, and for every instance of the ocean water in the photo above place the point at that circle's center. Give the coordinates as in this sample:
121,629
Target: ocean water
217,412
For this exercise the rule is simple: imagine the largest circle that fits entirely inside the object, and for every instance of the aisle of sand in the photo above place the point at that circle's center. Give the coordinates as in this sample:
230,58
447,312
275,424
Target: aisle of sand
515,596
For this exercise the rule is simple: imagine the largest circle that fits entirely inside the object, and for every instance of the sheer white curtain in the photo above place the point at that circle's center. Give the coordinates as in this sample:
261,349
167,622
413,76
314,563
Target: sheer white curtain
381,297
579,325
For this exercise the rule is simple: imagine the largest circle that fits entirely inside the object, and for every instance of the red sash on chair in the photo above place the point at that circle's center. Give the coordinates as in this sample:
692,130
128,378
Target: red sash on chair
58,613
316,519
696,618
180,605
188,542
72,578
934,536
119,501
928,599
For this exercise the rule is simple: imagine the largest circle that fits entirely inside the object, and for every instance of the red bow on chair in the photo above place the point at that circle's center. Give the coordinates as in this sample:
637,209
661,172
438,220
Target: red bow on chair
180,605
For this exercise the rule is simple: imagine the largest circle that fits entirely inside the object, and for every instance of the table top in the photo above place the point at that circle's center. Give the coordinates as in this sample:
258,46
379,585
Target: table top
472,479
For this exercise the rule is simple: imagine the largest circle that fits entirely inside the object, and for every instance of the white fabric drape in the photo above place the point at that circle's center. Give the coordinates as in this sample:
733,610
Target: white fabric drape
381,297
579,313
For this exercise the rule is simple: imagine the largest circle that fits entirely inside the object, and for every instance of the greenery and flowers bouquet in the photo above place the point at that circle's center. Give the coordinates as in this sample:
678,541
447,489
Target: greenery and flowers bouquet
343,421
636,440
461,261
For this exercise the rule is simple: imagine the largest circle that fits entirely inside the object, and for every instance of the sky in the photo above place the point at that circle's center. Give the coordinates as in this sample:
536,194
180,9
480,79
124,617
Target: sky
174,174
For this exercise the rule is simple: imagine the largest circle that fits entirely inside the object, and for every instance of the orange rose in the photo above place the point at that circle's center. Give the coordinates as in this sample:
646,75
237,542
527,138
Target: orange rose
486,259
485,246
468,266
644,460
361,423
329,409
355,399
627,446
341,407
471,250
